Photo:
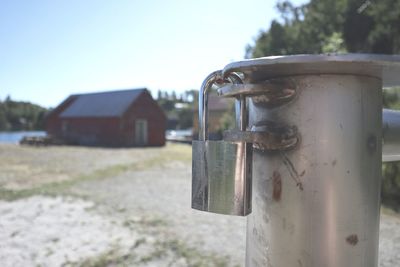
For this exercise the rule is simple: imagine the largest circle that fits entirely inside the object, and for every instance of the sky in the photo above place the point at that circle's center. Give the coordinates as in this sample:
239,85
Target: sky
50,49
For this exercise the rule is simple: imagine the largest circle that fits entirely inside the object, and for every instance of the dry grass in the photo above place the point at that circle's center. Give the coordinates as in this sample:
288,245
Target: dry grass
28,171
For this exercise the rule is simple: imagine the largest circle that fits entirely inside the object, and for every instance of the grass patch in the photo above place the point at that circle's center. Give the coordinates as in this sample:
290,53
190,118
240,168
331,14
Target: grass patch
168,252
390,211
156,254
172,251
192,256
109,258
139,242
172,152
151,222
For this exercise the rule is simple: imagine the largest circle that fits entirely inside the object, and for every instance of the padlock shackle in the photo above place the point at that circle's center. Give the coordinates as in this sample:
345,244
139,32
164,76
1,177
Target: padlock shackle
203,103
240,103
215,78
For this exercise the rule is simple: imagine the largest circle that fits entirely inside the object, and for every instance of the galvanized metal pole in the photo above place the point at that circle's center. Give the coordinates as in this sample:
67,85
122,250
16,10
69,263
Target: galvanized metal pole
333,218
318,204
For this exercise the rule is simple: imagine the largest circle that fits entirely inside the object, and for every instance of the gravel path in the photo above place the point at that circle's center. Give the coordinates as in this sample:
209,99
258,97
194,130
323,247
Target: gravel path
389,241
166,192
133,215
42,231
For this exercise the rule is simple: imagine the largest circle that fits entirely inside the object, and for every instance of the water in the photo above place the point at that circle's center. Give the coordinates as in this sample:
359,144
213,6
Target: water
15,137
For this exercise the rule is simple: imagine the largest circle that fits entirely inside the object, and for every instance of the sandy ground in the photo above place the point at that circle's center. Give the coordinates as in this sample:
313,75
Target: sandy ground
389,241
42,231
119,207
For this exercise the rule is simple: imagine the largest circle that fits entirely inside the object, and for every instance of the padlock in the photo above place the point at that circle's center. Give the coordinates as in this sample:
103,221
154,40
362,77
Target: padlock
221,170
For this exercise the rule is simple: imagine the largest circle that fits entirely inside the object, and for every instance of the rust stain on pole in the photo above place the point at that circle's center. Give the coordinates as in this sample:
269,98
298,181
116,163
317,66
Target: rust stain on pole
352,240
277,186
334,162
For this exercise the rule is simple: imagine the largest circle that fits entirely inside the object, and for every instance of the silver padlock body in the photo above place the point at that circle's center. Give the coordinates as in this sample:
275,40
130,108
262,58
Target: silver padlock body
221,177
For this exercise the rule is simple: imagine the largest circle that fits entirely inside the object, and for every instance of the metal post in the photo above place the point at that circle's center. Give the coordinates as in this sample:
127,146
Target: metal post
318,203
332,219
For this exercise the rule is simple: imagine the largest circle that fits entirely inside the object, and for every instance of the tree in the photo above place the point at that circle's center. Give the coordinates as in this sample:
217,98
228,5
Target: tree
4,125
331,26
373,27
173,96
228,120
17,116
185,118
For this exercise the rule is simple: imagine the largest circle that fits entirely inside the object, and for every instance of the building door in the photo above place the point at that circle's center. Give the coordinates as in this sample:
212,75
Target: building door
141,132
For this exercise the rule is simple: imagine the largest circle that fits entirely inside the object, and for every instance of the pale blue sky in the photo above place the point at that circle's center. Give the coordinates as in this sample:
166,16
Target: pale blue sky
50,49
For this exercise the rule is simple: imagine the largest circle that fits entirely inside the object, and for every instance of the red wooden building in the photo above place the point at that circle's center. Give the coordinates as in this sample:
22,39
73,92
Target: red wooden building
116,118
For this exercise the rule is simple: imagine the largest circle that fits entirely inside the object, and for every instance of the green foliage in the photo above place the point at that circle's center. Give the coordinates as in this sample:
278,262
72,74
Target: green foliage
185,117
17,116
334,44
322,26
227,120
391,185
391,98
383,33
179,109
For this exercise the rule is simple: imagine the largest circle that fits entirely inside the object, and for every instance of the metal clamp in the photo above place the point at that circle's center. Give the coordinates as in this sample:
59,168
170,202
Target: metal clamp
270,93
269,136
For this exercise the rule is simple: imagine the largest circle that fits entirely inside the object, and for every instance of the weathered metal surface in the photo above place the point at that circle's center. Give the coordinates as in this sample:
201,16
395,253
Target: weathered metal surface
391,135
271,93
273,138
318,205
386,67
391,118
